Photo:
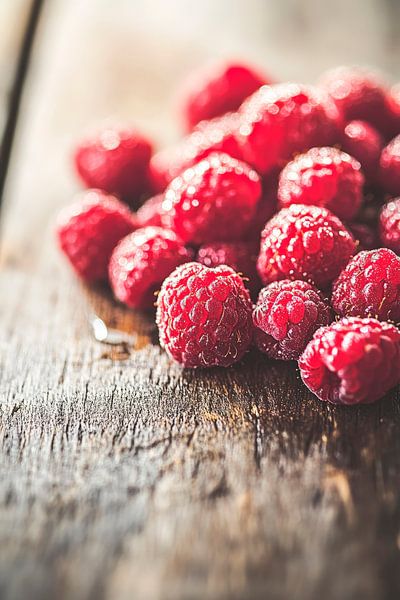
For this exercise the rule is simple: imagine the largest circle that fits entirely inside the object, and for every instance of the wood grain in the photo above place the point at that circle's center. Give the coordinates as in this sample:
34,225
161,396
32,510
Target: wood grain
123,476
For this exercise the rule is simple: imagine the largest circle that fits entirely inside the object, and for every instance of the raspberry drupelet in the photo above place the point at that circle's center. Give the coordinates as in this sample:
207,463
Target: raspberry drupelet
218,135
323,177
140,263
304,242
216,90
240,256
281,120
358,93
352,361
150,212
389,225
285,317
89,229
116,160
369,286
390,167
364,143
204,316
213,201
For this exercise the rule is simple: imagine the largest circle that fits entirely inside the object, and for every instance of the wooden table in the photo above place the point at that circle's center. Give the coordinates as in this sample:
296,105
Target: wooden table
121,475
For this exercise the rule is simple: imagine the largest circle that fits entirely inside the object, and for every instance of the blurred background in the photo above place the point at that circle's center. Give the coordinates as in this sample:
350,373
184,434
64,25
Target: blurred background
94,60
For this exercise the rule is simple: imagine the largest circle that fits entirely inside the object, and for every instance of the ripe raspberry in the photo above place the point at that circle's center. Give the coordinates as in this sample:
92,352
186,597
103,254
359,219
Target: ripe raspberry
286,315
88,231
365,236
389,225
240,256
140,263
150,212
323,177
116,161
390,167
217,135
213,201
369,286
353,361
359,94
204,316
393,110
304,242
365,143
281,120
217,90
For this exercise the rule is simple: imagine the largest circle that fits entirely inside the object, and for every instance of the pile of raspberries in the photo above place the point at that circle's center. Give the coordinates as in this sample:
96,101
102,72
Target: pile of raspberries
274,223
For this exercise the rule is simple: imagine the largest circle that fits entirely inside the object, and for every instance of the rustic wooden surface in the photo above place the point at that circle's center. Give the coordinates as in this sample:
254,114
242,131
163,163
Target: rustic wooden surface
122,476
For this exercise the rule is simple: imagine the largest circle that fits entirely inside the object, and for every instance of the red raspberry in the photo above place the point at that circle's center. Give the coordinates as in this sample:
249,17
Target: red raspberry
204,316
369,286
353,361
220,134
286,315
393,109
365,143
304,242
281,120
116,161
140,263
217,90
150,212
88,231
365,236
214,200
323,177
240,256
390,167
358,93
390,225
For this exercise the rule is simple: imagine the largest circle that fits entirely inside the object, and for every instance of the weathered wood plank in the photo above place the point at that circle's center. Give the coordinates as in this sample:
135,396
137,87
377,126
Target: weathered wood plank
122,475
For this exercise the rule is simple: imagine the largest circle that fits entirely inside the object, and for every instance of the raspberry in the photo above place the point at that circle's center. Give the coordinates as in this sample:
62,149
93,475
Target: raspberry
281,120
390,225
304,242
204,316
390,167
286,315
240,256
220,134
365,236
213,201
88,231
140,263
393,109
358,94
353,361
323,177
365,143
116,161
150,212
369,286
217,90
